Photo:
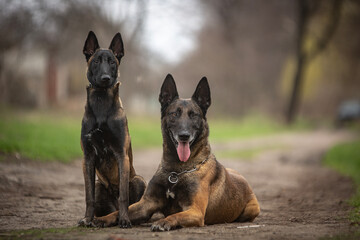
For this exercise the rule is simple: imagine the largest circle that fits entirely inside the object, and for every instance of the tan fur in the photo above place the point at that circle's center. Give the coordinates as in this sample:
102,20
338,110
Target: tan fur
228,199
211,194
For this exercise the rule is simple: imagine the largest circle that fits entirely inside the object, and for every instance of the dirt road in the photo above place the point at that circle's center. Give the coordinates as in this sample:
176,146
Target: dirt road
299,198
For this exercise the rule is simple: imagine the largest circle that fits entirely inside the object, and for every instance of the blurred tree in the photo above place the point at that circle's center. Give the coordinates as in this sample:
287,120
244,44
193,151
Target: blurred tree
13,16
57,30
307,10
241,50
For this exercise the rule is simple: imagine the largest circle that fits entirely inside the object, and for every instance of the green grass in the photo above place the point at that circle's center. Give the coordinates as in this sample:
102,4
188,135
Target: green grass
247,154
345,158
145,132
250,126
40,136
55,136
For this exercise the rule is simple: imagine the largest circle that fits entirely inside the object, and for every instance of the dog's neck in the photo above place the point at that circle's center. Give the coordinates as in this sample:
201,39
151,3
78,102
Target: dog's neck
101,101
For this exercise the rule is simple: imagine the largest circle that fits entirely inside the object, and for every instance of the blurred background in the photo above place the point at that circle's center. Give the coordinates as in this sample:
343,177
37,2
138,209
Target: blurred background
284,78
271,64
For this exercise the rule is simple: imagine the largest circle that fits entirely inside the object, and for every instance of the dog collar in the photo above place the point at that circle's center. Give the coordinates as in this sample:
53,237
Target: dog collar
173,177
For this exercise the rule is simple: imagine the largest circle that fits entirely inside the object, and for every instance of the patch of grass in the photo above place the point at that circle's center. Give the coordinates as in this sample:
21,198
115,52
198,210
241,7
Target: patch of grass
40,137
245,153
250,126
54,136
145,132
345,158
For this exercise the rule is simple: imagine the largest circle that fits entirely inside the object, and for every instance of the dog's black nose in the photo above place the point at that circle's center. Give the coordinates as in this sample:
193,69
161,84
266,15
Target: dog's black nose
105,78
184,136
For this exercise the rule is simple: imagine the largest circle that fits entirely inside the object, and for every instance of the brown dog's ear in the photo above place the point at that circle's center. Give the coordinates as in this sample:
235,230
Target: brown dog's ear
91,45
117,46
202,95
168,92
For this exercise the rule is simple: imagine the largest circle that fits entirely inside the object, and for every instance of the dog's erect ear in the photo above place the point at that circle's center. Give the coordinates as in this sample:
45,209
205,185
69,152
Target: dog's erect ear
168,92
91,44
117,46
202,95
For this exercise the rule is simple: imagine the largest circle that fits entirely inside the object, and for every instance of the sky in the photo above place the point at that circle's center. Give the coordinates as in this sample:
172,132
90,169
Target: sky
170,26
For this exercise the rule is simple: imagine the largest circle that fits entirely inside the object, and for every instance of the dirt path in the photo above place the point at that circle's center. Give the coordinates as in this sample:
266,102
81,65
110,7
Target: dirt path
299,198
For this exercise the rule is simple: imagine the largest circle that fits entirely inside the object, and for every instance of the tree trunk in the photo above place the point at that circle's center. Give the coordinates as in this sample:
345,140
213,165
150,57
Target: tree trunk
51,79
304,58
300,66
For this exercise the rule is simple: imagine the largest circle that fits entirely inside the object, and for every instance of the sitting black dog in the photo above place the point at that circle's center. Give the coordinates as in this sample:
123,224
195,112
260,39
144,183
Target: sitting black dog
105,138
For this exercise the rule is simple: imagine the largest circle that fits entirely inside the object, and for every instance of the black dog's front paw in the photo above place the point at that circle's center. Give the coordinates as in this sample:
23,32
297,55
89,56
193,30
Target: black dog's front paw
97,133
86,222
94,134
124,222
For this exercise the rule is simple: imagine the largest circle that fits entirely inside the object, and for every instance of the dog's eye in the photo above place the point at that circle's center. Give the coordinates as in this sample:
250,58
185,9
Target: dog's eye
96,61
111,61
192,114
174,114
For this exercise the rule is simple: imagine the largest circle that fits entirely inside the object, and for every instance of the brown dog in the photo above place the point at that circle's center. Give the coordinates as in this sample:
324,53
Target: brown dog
190,187
105,138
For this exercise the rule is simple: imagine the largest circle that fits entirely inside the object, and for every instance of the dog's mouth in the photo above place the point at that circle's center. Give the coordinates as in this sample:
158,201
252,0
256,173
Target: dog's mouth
182,148
102,84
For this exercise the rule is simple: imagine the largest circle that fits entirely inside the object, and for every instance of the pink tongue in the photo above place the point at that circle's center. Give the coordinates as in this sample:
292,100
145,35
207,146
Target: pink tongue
183,151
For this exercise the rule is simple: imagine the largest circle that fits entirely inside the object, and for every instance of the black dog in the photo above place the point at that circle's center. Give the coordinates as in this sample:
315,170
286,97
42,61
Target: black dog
105,138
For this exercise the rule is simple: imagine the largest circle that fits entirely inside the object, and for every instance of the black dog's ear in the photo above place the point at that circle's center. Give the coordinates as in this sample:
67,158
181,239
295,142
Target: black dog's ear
90,46
202,95
168,92
117,46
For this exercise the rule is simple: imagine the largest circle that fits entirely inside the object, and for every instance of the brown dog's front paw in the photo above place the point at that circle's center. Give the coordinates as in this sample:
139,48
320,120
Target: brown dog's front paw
124,222
160,226
85,222
105,221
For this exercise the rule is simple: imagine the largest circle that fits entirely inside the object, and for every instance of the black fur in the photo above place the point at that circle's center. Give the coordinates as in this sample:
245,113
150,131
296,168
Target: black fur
103,63
105,138
185,118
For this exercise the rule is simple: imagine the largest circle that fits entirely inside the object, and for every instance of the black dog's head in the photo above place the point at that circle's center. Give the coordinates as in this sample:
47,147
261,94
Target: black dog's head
184,120
103,63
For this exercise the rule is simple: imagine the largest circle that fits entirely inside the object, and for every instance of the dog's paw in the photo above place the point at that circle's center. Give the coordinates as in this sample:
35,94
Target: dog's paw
97,133
160,226
105,221
124,222
86,222
99,223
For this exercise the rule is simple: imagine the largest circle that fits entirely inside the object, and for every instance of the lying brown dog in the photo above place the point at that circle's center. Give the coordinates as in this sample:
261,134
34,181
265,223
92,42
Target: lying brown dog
190,187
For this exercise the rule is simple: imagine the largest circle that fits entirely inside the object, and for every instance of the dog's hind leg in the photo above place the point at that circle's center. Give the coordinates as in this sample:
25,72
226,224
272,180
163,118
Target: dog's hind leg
104,201
137,187
251,211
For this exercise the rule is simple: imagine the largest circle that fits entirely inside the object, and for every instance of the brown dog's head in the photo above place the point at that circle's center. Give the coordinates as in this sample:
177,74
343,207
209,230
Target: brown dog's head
184,120
103,64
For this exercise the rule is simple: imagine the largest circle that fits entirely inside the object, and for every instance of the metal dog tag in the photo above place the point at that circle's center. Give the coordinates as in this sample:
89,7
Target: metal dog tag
170,194
173,177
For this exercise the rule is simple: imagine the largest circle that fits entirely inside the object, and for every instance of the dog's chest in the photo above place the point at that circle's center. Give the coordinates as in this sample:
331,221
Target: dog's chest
179,194
101,105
